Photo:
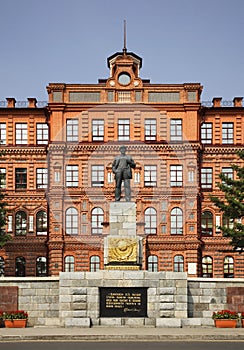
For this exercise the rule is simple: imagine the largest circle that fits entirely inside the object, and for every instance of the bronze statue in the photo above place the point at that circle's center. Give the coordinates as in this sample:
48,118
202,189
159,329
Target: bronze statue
122,168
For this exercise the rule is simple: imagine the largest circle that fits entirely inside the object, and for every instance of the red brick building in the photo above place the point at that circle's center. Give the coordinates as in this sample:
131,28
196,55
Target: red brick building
58,182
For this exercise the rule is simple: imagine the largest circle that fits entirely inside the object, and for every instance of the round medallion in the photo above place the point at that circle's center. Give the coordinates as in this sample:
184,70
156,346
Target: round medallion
124,79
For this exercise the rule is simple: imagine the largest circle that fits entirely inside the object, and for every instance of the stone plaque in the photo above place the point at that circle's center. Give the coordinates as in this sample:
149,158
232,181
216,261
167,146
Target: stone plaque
123,302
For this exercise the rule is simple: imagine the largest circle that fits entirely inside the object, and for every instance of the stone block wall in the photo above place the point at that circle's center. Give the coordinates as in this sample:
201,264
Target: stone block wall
38,296
206,295
79,296
72,299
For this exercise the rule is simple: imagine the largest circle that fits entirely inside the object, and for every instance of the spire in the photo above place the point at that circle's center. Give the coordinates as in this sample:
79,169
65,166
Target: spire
124,49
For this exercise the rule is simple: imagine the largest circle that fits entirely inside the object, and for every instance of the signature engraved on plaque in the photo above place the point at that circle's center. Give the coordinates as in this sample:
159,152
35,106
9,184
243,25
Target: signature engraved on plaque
122,249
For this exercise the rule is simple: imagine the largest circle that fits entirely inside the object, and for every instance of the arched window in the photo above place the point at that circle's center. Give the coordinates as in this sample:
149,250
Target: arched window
20,223
41,266
150,221
69,263
97,219
178,263
71,221
20,266
41,223
176,221
207,223
94,263
207,266
152,263
228,267
2,266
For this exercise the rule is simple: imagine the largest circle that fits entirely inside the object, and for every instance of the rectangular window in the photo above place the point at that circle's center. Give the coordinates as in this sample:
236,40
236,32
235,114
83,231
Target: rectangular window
21,134
2,178
41,134
41,178
228,172
124,96
20,178
150,129
98,130
110,96
72,175
150,175
124,130
85,96
206,178
97,175
72,130
176,175
3,133
207,133
158,96
175,129
227,133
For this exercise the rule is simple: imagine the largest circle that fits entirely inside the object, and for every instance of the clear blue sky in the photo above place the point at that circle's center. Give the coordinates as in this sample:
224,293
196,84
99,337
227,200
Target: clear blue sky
69,41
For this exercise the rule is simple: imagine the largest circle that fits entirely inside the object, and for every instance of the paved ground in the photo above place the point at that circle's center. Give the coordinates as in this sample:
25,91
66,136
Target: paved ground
121,334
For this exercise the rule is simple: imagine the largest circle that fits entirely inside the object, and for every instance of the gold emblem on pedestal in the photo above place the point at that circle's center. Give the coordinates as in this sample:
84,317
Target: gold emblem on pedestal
122,249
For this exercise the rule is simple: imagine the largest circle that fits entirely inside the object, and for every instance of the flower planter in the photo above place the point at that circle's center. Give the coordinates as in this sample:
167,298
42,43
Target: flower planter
225,323
15,323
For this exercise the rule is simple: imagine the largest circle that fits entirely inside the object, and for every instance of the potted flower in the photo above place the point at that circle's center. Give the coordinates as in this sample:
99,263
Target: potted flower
15,319
225,319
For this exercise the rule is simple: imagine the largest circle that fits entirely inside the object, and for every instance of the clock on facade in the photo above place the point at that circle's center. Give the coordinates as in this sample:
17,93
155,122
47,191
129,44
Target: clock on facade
124,79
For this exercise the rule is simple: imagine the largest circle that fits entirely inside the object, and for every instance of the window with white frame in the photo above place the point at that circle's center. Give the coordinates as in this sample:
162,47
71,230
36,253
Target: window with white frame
178,263
176,175
207,266
228,172
41,134
227,133
72,130
150,175
152,263
206,178
207,133
21,137
41,178
124,129
150,129
176,221
176,129
98,130
150,221
69,263
97,175
72,175
71,221
97,217
3,133
94,263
